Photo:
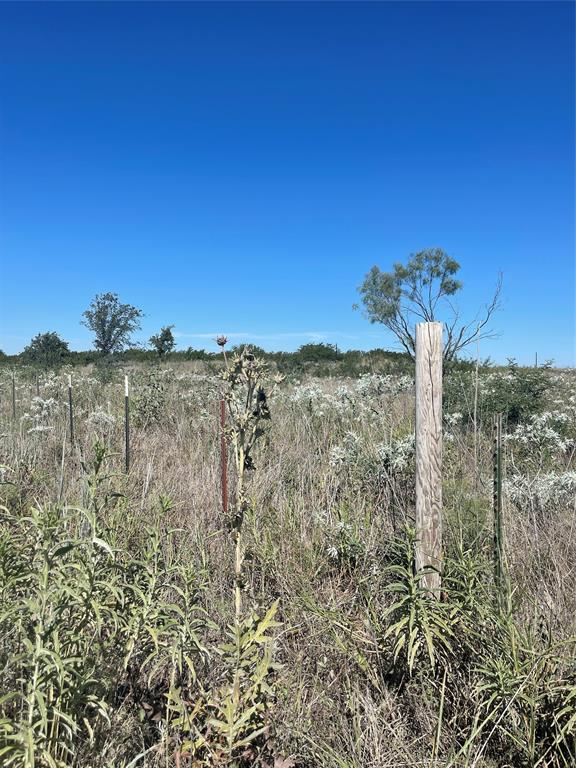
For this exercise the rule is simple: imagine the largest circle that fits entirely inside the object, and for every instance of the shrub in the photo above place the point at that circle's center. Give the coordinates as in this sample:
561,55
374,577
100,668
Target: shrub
517,393
317,353
47,350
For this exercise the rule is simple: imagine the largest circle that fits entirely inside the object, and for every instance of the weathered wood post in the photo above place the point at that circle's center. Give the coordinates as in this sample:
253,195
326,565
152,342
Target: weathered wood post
429,453
127,424
71,411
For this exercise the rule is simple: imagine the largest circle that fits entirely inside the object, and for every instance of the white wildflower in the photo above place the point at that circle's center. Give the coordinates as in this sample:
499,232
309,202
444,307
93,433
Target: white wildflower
547,491
100,419
398,454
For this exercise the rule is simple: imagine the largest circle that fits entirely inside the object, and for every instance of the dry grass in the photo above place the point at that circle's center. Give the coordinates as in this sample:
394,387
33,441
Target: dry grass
318,538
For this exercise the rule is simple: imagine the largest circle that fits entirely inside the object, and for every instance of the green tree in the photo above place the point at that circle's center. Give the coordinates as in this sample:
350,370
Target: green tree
422,290
320,352
112,322
163,342
47,350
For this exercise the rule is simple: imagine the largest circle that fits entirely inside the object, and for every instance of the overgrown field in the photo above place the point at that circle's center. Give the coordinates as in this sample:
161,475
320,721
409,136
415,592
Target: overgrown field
120,641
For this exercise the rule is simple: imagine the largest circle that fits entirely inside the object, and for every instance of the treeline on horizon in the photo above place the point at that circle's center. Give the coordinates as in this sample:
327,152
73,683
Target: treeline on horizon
306,354
322,359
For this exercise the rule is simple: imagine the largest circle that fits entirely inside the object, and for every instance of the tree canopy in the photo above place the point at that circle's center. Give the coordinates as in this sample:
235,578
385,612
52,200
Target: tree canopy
421,291
163,342
318,352
46,349
111,322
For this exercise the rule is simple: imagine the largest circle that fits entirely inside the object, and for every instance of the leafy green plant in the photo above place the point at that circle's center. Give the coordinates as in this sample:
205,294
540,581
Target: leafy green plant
420,628
57,597
87,627
100,495
229,725
526,700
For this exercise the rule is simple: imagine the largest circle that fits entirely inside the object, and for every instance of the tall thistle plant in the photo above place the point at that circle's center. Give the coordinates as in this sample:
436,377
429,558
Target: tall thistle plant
247,388
236,715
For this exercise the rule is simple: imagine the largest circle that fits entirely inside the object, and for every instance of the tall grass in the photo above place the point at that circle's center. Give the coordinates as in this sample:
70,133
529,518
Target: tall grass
119,643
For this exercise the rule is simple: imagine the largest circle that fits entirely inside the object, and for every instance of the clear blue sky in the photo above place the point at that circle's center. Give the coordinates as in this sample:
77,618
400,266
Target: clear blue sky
239,167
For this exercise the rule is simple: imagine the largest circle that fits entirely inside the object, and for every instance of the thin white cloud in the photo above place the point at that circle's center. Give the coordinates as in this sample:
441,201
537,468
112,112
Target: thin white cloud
310,335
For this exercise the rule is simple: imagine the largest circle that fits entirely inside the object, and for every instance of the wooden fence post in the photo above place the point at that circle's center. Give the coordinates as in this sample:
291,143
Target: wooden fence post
429,453
127,424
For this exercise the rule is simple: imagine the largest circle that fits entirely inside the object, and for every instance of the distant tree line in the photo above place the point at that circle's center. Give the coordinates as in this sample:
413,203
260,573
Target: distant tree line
316,359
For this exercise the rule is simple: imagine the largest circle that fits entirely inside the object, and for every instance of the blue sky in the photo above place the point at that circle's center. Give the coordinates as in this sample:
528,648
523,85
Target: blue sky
239,167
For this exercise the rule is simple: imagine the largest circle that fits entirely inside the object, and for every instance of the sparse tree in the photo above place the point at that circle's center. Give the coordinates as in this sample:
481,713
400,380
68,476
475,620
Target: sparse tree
112,322
47,350
163,342
422,290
